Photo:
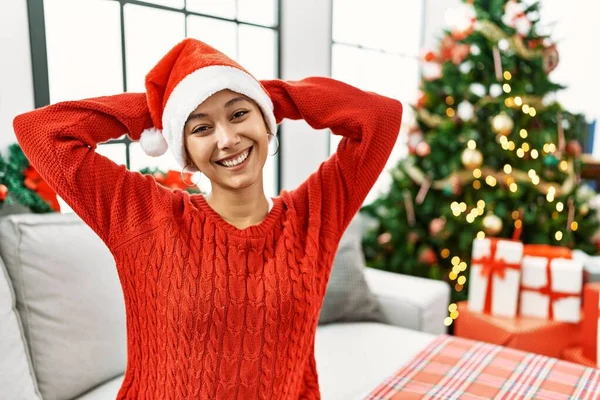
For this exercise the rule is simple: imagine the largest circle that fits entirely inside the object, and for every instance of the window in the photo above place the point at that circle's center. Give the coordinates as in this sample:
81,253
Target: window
88,48
375,47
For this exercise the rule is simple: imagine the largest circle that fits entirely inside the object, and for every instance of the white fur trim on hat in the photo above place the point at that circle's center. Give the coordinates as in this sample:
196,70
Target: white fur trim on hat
200,85
153,142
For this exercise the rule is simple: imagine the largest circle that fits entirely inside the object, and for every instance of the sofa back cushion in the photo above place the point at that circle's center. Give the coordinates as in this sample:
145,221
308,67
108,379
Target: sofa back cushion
16,374
348,297
69,299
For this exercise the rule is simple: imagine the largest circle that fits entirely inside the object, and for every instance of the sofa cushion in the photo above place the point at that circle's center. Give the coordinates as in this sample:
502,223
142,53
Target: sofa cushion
106,391
348,297
69,299
16,374
354,358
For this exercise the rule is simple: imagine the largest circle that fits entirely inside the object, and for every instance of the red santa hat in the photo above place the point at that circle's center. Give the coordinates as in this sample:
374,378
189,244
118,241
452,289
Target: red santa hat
187,75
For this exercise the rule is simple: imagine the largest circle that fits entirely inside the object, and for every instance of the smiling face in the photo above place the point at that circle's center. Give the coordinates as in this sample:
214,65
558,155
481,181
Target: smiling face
226,138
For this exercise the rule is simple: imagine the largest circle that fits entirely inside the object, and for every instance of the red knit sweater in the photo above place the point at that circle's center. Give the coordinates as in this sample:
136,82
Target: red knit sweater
215,312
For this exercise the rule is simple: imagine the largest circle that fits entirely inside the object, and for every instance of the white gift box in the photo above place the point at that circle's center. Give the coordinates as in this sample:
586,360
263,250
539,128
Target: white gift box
559,299
591,266
503,274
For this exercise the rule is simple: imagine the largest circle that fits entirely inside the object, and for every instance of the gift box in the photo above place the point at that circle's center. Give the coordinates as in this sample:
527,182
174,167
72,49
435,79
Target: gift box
591,266
551,284
590,338
575,355
495,276
529,334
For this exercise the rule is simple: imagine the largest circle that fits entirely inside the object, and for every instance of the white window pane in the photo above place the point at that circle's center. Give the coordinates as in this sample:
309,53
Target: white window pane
269,176
114,151
390,25
167,3
149,35
138,159
261,12
387,74
257,51
219,8
221,35
88,63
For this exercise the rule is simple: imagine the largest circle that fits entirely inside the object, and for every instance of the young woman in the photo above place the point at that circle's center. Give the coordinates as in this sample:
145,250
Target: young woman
222,292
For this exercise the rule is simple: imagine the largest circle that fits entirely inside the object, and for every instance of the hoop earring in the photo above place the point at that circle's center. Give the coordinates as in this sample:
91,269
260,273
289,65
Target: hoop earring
183,178
276,140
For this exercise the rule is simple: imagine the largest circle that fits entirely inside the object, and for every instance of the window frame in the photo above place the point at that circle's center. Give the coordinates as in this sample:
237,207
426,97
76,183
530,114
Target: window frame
39,58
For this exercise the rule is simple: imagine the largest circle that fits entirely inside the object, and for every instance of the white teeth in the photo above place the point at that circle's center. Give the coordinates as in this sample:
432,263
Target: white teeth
238,160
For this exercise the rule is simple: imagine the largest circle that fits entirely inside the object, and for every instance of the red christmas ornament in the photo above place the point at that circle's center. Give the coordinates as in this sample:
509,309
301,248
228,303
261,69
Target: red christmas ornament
33,181
574,148
453,51
423,100
455,185
428,256
430,56
414,138
550,58
413,237
423,149
3,192
534,43
436,226
384,238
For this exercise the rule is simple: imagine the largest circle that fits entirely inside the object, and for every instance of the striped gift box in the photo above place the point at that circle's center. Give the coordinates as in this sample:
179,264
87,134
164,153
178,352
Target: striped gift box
456,368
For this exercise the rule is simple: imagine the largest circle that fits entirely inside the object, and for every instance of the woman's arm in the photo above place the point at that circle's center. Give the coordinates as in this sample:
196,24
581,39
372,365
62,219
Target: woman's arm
369,124
60,142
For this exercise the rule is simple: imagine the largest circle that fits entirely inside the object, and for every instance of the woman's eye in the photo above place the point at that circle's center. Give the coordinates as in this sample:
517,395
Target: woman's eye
239,114
200,129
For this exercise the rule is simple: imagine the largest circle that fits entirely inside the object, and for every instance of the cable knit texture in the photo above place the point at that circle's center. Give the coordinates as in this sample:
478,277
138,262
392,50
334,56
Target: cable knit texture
213,311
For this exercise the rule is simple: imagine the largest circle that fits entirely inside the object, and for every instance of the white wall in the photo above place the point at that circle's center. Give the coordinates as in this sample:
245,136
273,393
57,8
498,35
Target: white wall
434,13
16,82
577,31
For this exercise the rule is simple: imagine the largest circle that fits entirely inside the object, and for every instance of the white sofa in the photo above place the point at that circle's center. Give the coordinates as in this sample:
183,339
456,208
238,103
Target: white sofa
62,319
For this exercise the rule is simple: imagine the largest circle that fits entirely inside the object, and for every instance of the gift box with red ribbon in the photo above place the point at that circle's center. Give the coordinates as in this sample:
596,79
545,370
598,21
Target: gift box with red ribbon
495,276
534,335
590,332
551,284
575,355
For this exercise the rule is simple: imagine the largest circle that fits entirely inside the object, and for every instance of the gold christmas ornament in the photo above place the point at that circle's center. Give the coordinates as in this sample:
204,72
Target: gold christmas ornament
492,224
471,158
584,209
502,124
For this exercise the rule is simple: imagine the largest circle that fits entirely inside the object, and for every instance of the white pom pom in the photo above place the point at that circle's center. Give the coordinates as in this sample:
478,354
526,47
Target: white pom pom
153,142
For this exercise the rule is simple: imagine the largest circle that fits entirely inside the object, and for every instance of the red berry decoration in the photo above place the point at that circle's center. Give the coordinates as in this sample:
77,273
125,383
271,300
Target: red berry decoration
574,148
3,192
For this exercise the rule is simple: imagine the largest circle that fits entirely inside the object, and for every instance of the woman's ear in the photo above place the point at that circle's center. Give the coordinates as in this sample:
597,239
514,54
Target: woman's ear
188,158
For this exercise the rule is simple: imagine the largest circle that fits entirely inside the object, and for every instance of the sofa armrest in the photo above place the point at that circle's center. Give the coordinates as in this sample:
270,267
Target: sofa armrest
410,302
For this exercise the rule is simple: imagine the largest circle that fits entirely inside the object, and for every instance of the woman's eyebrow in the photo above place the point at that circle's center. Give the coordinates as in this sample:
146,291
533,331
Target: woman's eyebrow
226,105
233,101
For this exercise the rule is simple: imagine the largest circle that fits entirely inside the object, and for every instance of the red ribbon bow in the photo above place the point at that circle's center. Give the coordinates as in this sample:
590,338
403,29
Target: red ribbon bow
492,266
33,181
172,179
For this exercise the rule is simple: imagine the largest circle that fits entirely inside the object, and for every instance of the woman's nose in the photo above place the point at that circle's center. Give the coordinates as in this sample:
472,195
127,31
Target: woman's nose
227,136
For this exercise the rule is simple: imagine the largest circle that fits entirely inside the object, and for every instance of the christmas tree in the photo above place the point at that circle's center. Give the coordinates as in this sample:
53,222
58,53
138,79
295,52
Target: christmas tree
491,153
